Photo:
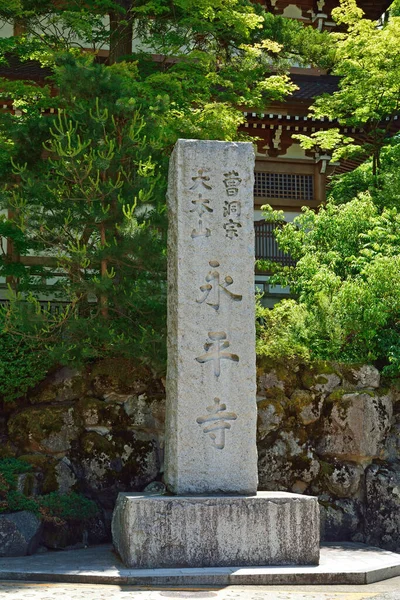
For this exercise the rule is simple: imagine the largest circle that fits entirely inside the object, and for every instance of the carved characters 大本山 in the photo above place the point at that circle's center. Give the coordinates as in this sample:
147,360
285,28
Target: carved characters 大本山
201,181
201,207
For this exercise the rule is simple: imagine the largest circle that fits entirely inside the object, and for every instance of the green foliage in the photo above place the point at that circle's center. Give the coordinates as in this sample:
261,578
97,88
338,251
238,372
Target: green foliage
367,60
11,499
55,507
67,507
95,210
23,364
384,186
282,333
347,285
85,187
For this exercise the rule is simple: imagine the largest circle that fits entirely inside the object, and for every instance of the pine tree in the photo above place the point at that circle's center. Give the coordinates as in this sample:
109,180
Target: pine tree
85,185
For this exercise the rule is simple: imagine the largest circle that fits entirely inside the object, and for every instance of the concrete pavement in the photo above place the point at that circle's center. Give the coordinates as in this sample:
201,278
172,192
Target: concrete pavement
341,564
386,590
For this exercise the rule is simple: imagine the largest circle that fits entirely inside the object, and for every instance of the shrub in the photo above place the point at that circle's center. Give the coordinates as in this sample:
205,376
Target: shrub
55,507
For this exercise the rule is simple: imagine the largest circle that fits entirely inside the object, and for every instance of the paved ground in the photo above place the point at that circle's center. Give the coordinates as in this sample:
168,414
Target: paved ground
340,564
385,590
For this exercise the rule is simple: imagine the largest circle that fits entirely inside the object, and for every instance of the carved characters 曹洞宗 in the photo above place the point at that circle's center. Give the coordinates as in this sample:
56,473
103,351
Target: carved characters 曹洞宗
232,208
231,229
232,182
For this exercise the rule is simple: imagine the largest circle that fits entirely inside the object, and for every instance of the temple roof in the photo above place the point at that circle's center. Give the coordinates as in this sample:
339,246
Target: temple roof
311,86
372,9
14,68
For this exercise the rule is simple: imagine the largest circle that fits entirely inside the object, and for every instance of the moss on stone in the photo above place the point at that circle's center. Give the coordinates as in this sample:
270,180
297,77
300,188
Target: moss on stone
301,462
91,412
348,372
316,372
45,466
32,428
93,444
37,461
337,395
29,484
326,469
275,393
8,450
300,399
50,482
122,374
264,404
46,395
322,367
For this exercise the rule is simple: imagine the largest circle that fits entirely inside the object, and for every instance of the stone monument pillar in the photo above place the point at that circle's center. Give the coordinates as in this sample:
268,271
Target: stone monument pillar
214,517
211,379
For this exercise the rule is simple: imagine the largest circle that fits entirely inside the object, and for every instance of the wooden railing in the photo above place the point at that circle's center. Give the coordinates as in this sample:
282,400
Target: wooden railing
266,244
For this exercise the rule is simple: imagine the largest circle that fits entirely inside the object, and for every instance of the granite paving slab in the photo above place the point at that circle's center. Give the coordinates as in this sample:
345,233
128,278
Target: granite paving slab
54,591
341,564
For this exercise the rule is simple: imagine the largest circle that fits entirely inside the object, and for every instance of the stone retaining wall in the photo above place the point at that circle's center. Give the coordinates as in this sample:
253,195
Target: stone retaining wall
330,431
333,431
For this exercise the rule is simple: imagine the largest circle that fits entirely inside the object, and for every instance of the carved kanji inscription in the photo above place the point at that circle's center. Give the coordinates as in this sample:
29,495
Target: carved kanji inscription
215,351
213,288
216,422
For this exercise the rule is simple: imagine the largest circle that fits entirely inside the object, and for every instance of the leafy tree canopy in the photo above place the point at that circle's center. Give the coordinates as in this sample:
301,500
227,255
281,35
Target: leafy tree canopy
88,179
368,62
346,283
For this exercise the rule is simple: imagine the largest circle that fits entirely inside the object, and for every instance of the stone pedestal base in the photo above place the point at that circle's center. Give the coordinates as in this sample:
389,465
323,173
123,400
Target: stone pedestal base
271,528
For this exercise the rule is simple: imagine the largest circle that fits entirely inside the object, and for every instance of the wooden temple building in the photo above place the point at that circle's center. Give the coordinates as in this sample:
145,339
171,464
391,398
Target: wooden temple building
286,176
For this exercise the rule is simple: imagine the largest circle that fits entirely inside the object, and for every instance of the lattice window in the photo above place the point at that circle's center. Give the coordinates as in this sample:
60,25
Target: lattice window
284,186
266,246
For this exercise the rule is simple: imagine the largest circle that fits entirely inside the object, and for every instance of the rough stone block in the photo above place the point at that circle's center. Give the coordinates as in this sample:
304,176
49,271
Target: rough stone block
19,533
271,528
356,428
382,522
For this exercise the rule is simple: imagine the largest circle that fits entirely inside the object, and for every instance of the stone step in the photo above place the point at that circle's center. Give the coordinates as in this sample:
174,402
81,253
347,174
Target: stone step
340,564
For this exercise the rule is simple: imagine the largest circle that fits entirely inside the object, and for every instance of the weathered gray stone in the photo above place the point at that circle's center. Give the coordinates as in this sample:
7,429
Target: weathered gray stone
341,564
287,464
47,429
356,428
344,480
326,382
64,385
270,416
269,380
109,464
382,519
341,520
267,529
366,376
146,413
155,487
65,476
308,404
211,381
19,533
